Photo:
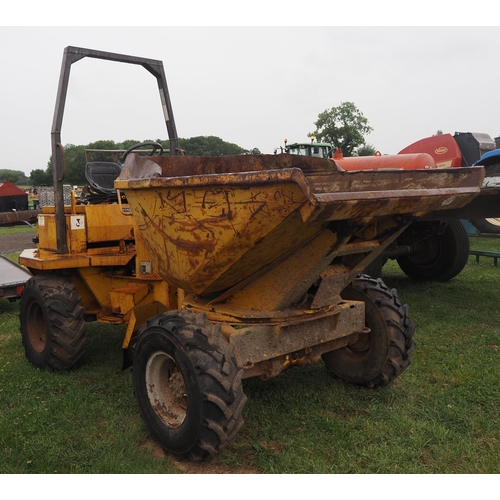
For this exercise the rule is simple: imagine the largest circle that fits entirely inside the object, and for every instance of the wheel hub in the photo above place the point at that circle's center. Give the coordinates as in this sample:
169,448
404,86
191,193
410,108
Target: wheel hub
166,389
37,330
358,349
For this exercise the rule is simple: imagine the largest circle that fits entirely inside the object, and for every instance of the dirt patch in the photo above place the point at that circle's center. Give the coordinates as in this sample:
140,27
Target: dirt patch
10,243
209,467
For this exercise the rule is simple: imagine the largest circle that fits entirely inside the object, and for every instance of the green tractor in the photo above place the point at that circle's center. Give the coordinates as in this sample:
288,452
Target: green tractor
317,149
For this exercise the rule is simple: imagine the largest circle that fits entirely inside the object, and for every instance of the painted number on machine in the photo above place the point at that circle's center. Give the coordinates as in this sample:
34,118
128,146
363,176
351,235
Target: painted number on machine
77,222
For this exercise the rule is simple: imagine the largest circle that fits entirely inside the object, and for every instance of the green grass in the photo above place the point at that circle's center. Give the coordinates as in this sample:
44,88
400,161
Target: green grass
17,229
440,417
85,421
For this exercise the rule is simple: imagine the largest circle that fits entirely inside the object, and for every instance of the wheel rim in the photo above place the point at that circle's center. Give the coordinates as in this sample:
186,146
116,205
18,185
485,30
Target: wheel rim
37,329
432,253
358,350
494,222
166,389
363,358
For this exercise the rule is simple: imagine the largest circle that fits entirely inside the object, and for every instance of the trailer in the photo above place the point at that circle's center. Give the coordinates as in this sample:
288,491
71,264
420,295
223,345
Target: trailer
436,247
12,279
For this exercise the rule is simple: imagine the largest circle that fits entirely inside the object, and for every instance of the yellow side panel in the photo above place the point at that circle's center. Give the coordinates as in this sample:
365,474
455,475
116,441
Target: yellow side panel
110,260
108,223
125,299
46,231
46,261
76,234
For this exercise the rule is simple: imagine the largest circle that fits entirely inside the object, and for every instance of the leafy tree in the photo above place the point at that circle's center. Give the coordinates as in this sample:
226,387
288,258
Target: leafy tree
14,176
40,177
343,126
6,175
75,159
209,146
365,150
130,142
102,147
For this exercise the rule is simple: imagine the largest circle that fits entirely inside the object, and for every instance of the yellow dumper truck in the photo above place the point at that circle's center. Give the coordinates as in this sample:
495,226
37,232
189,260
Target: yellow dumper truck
225,268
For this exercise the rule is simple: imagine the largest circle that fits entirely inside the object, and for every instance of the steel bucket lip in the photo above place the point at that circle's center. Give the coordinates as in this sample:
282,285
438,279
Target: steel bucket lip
328,183
279,167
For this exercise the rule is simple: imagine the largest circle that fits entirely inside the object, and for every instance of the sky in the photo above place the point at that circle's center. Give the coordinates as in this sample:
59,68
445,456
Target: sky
249,85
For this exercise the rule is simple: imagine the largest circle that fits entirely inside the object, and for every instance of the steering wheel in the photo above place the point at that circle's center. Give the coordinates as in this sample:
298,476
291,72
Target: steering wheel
155,145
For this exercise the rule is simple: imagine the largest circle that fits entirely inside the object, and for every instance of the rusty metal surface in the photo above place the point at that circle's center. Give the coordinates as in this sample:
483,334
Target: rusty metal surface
325,186
192,166
196,230
269,368
349,195
8,218
212,222
486,205
255,343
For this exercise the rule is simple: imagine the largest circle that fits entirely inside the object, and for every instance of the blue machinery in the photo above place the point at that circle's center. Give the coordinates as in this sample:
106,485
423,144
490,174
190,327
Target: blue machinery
472,231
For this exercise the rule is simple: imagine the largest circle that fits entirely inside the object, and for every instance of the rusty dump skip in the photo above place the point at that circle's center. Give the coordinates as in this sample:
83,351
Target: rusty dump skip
211,222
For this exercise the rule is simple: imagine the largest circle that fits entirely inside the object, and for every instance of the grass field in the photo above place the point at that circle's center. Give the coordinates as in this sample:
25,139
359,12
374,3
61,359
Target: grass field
16,230
440,417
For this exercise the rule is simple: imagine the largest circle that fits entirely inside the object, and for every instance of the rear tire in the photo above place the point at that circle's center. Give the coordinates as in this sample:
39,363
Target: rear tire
440,257
52,323
487,226
379,357
188,385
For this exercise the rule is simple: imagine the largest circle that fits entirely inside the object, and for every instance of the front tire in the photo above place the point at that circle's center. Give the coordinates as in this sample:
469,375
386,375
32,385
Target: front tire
379,357
52,323
188,385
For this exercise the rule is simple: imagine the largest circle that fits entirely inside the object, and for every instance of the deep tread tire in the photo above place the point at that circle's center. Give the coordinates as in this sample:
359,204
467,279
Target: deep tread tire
52,323
377,358
446,255
188,385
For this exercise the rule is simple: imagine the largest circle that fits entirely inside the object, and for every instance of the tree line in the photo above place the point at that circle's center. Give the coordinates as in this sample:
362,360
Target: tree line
75,157
15,176
343,126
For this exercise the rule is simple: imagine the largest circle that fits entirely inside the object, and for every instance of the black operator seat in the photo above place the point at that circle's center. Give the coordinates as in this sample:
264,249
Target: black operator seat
101,176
